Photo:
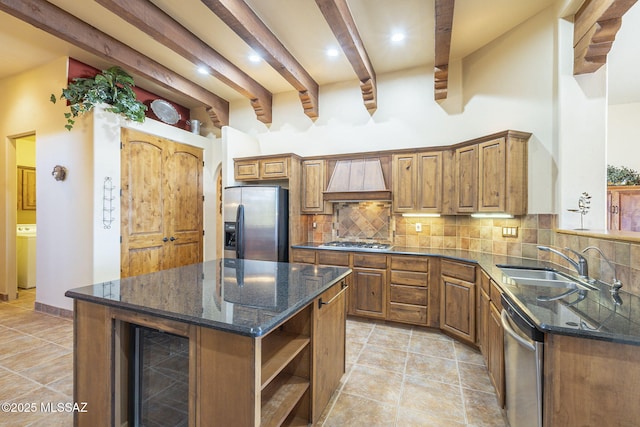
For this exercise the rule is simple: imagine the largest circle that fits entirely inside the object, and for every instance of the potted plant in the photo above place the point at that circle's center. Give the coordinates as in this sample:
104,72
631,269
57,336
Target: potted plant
113,87
622,175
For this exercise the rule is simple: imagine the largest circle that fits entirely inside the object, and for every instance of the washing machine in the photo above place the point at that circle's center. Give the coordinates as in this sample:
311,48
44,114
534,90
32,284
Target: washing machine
26,254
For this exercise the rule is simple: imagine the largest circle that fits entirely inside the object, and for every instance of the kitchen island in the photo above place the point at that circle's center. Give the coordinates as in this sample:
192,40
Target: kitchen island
256,334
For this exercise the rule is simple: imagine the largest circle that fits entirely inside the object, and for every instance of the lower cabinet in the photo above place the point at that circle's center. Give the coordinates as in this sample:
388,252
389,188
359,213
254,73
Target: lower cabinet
457,300
329,338
495,350
369,293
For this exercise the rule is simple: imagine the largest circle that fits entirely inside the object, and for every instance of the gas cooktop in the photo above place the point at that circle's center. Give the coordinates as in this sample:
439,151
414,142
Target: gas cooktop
357,245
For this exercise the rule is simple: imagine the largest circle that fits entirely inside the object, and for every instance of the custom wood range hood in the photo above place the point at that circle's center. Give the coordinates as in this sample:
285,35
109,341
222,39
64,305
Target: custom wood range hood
357,180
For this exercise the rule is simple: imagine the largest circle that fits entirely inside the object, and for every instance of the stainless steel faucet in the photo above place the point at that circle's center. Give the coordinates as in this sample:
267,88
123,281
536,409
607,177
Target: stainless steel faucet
617,284
581,265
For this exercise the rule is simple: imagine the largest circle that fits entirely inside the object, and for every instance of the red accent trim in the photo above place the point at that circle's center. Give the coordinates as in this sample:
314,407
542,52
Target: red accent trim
79,69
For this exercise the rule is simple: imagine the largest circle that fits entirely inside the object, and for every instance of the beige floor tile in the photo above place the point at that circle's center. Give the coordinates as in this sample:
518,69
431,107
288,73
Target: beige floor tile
45,352
376,384
432,346
44,398
474,377
17,345
63,385
50,370
482,409
355,411
433,368
383,358
438,400
464,353
388,338
412,418
433,333
353,351
396,328
13,385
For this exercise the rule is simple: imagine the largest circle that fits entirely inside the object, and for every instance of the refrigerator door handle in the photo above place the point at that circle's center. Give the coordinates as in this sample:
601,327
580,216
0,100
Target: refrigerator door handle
240,232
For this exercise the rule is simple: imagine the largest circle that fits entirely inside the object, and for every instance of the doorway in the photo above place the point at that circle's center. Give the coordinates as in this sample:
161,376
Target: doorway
26,230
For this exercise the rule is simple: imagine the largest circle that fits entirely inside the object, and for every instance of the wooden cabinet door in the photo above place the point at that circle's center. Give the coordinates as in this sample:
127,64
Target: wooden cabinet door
405,176
458,308
26,188
495,342
429,191
313,184
466,186
161,204
613,210
629,210
492,176
369,297
244,170
329,335
276,168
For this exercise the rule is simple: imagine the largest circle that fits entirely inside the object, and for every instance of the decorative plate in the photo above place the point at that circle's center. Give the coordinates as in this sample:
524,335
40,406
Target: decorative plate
165,111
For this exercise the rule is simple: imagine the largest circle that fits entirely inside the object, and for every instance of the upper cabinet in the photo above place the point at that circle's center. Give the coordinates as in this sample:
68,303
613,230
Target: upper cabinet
26,188
502,173
417,182
489,175
262,168
623,208
313,184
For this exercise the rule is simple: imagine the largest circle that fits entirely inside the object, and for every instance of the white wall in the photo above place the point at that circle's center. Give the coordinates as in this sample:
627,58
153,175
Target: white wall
504,86
623,130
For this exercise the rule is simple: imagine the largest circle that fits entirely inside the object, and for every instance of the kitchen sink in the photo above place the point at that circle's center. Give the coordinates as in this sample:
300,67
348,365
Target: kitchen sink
542,277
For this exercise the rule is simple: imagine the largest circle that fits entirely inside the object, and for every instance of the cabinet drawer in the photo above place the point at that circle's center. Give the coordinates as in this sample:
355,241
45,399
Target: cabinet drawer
333,258
494,294
303,255
458,270
407,313
274,168
410,263
408,295
369,261
409,278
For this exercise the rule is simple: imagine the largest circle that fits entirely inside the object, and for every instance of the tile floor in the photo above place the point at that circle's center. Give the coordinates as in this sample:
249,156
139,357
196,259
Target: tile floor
396,375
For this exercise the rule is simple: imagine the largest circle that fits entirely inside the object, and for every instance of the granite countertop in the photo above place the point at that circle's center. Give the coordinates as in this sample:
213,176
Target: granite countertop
596,316
246,297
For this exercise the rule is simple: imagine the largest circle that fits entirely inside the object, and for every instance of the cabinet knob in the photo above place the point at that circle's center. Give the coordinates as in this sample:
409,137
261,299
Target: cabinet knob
173,238
165,240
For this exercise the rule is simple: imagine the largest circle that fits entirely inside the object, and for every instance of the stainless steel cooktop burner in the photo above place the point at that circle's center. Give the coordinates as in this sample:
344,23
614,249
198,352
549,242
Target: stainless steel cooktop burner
357,245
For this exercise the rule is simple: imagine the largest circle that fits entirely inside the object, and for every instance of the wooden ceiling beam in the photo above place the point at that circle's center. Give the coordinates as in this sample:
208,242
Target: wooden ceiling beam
595,27
247,25
443,26
339,18
50,18
152,20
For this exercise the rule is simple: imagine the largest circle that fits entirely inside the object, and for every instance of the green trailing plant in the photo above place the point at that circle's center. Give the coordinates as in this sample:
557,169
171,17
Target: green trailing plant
113,87
622,175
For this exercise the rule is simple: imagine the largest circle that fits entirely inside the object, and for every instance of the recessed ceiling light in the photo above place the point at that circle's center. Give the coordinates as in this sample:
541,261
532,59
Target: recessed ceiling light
398,36
203,70
332,52
254,57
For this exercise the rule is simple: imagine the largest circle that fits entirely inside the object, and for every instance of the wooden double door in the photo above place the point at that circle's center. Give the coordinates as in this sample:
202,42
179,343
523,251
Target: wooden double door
161,204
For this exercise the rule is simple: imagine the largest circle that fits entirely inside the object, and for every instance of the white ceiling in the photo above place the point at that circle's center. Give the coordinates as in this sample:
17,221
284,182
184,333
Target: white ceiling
300,27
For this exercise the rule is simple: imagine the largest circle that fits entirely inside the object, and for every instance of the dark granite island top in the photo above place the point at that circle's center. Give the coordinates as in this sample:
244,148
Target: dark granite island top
261,343
247,297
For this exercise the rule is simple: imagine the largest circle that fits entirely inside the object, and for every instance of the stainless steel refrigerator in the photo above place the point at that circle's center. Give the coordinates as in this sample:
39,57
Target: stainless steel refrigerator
256,223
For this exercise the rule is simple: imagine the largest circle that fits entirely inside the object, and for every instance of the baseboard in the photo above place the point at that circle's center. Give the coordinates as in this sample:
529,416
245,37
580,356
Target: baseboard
55,311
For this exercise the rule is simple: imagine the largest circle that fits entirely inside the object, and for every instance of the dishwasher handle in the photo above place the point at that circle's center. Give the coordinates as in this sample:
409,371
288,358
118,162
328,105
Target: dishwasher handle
504,318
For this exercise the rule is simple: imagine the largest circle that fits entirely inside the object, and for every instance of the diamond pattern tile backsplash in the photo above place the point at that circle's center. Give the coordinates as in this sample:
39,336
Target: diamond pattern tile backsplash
363,221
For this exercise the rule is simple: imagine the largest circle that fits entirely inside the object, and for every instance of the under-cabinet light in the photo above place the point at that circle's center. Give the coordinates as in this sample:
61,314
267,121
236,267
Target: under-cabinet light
421,215
491,215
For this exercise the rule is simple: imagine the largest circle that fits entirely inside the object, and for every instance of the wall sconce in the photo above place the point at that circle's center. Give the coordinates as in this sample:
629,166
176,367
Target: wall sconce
59,173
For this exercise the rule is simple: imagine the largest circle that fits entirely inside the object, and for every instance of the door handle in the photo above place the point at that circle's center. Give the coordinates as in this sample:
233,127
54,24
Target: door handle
173,238
504,319
344,288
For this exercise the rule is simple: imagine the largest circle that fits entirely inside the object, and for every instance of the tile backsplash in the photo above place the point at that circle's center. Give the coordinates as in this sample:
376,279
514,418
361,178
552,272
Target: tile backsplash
375,221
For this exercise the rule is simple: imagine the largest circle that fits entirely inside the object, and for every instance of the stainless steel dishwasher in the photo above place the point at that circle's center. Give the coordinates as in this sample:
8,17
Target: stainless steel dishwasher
523,356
